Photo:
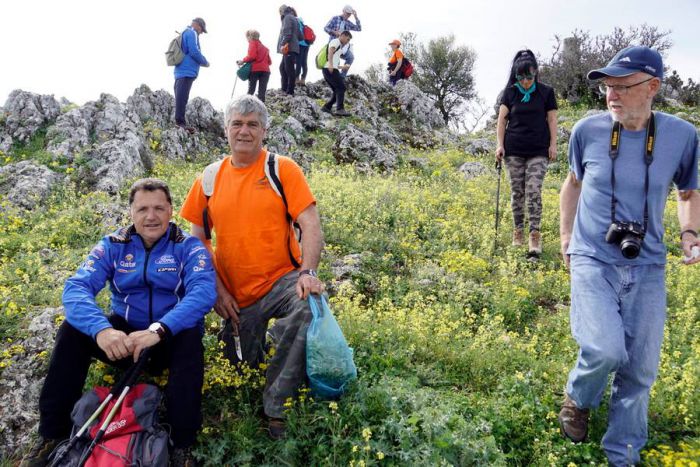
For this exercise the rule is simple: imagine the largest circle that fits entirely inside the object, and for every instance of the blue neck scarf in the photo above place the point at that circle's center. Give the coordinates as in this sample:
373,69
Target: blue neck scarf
526,92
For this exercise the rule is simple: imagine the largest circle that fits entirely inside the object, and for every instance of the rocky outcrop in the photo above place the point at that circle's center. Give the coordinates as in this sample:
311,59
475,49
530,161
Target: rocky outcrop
418,106
115,149
21,381
152,107
26,113
355,147
472,170
26,184
106,142
480,146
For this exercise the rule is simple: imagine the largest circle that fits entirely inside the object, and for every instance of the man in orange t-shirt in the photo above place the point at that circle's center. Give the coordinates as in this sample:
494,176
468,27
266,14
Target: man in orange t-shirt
261,273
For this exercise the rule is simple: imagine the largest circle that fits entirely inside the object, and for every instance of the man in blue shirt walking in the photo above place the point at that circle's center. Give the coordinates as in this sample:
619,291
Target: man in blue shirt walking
188,70
612,204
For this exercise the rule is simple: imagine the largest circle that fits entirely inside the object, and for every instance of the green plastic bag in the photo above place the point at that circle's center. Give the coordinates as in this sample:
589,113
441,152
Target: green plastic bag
329,363
244,71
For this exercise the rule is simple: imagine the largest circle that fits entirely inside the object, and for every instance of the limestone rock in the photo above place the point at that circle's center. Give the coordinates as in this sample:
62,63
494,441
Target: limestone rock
176,144
418,105
27,183
157,107
279,140
201,115
70,134
472,170
25,114
354,146
21,382
480,146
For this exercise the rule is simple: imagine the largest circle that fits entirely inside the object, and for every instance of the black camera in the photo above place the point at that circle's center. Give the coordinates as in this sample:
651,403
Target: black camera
629,235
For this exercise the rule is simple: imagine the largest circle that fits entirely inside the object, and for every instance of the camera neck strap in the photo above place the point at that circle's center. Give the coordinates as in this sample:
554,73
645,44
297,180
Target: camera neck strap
648,159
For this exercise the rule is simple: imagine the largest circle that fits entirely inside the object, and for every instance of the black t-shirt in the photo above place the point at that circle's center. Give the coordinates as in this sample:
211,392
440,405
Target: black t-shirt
527,132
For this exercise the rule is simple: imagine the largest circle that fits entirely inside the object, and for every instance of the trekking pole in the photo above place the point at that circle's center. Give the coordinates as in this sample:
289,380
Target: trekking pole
234,85
132,374
498,199
116,390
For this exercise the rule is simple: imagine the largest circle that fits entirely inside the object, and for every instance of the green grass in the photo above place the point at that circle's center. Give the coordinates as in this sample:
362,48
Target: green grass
462,352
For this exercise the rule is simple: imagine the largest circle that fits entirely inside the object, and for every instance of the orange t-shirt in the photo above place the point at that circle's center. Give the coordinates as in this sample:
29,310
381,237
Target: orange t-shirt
396,56
253,235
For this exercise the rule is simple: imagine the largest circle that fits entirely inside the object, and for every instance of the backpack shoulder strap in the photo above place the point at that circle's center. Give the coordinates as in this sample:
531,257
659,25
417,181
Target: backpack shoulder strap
208,179
272,172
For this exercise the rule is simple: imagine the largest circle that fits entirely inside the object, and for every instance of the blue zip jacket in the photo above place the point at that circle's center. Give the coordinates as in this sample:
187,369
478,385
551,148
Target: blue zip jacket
174,282
189,66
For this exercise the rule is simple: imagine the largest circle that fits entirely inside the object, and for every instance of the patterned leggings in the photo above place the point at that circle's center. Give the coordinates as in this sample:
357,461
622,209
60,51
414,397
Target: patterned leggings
526,176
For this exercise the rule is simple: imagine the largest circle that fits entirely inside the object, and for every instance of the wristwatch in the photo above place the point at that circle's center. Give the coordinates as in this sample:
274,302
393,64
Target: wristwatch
310,272
157,328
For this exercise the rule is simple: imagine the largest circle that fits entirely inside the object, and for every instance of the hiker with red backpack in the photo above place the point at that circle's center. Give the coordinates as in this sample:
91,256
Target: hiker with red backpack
259,58
302,67
397,63
162,283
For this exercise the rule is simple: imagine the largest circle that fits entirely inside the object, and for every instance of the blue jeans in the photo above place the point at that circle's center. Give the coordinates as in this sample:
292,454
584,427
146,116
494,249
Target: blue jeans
617,319
348,57
302,67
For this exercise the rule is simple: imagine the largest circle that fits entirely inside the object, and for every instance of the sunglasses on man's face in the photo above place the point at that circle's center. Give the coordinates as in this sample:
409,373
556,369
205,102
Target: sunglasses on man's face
525,76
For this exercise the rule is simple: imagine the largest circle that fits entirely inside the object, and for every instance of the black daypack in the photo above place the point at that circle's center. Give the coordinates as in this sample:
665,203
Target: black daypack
133,438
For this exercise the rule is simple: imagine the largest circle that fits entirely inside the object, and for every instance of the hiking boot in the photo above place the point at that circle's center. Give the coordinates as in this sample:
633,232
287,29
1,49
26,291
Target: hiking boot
342,113
302,82
326,109
190,130
535,243
182,457
38,455
573,421
277,428
518,237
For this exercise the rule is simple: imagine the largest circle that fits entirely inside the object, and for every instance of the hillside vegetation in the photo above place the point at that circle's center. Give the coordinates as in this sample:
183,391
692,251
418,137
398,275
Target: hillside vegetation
462,350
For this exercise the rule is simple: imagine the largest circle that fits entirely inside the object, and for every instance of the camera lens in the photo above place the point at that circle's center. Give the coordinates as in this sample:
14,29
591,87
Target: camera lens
630,246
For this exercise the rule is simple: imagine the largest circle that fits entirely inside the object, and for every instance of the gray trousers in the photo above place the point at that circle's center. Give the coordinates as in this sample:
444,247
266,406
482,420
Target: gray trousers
526,177
286,370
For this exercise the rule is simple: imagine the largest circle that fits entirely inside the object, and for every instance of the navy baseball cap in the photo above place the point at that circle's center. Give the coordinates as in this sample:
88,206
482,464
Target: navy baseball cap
631,60
201,23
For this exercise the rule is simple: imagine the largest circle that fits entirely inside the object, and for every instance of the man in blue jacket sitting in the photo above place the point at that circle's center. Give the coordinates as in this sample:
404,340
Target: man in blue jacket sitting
162,284
188,70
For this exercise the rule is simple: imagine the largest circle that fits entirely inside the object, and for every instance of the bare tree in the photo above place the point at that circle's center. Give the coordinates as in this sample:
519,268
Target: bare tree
579,53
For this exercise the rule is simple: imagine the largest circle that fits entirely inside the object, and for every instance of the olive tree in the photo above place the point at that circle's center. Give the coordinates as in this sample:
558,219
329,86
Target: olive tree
444,72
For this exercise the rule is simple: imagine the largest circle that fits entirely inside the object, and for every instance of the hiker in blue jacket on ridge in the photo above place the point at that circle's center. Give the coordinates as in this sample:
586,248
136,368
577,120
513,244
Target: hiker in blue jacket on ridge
188,70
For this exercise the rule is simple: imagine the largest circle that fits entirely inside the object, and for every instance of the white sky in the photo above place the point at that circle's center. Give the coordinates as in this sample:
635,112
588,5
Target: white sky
80,48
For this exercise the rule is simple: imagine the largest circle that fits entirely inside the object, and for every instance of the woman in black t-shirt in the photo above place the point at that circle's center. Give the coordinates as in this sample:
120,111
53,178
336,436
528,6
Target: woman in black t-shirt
527,138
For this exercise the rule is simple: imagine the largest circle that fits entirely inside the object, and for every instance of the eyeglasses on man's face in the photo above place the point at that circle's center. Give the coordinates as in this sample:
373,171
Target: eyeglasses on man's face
620,89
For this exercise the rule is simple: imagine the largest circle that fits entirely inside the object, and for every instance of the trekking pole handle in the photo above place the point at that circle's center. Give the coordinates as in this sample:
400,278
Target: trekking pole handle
131,373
